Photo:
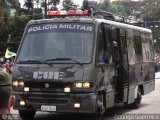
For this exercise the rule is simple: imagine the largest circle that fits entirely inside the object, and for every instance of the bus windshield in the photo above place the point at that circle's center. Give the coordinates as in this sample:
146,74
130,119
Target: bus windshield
58,40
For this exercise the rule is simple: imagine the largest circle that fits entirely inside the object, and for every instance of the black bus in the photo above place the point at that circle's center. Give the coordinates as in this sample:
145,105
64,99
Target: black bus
82,65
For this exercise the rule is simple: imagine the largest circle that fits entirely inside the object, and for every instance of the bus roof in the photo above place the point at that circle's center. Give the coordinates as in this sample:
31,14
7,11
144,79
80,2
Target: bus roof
91,20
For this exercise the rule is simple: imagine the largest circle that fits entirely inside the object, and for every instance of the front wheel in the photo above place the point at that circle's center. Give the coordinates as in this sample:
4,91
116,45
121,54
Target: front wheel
137,101
27,114
100,109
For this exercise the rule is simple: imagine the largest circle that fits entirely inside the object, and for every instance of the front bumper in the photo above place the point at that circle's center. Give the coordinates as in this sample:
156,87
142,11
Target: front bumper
63,102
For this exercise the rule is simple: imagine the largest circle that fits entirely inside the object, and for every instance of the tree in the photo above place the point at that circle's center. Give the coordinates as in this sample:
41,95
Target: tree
144,9
106,5
54,2
147,11
28,4
5,6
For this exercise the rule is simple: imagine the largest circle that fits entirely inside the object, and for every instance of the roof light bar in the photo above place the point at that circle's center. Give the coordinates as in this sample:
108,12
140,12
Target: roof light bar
85,12
57,12
71,12
79,12
64,12
68,13
49,13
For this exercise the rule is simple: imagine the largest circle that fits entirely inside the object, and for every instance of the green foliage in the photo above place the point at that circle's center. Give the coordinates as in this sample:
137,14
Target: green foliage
12,27
131,8
106,5
19,24
12,32
146,10
28,4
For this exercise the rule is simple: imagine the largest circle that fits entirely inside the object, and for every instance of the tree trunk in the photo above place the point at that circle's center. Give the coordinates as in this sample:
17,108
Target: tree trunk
1,14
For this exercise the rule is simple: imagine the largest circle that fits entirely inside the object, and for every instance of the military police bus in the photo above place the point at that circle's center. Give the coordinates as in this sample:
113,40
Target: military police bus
81,64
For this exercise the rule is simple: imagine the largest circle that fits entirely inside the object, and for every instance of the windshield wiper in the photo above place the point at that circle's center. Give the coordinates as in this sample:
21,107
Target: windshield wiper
34,61
63,59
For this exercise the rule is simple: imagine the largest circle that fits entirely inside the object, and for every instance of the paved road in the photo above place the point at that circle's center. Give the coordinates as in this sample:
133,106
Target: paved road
150,105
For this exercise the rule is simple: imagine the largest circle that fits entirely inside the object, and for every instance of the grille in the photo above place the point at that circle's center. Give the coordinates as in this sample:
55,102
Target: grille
48,98
43,84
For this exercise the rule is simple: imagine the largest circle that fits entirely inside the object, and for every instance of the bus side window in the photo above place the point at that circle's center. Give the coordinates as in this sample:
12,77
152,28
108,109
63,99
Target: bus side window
109,52
101,52
104,47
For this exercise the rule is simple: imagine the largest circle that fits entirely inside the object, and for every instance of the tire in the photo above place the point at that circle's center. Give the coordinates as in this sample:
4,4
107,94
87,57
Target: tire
99,109
137,101
27,114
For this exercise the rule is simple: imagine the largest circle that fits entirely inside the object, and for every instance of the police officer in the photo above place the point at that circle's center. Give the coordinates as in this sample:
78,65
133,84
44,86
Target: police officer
85,4
6,98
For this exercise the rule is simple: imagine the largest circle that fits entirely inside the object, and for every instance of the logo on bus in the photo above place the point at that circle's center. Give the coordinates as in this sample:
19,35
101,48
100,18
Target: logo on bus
48,75
47,85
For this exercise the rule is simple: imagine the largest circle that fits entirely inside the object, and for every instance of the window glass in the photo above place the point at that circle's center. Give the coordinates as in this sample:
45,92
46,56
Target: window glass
104,48
58,40
146,48
137,46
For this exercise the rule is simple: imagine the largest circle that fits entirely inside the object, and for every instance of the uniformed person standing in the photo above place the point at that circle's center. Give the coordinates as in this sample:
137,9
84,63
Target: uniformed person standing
6,98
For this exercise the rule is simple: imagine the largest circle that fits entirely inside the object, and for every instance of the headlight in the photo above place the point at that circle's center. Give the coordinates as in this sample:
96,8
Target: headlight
86,85
67,89
15,83
22,103
21,84
78,85
82,84
26,89
77,105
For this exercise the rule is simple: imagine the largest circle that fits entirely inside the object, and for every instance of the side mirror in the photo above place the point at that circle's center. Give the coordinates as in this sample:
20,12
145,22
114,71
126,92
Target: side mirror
114,43
116,57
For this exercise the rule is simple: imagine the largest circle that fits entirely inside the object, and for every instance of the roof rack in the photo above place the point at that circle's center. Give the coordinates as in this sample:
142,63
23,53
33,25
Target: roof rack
108,16
114,17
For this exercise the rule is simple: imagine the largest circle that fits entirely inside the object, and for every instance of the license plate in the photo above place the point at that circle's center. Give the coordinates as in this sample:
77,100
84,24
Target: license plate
48,108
